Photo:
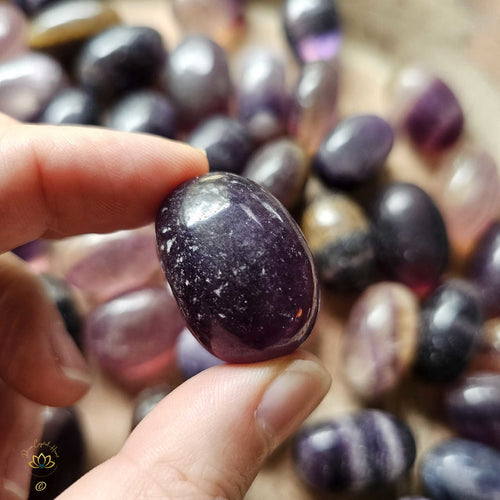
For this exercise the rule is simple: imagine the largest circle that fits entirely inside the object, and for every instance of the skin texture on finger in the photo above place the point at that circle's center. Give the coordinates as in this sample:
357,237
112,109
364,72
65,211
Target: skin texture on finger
20,424
61,181
38,358
209,437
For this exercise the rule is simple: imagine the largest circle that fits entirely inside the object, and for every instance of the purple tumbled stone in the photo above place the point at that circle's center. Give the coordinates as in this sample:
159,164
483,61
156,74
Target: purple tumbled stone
71,106
238,266
198,80
262,99
354,452
133,336
484,269
28,83
312,29
144,111
450,329
12,27
192,357
120,59
410,236
146,400
473,408
354,152
225,141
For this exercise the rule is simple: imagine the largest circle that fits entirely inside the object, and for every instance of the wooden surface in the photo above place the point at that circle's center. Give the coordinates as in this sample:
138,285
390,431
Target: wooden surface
460,39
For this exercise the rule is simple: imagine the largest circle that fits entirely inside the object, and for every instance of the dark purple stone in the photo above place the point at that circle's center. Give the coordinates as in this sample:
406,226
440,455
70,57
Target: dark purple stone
473,408
238,266
354,452
62,429
120,59
354,152
450,329
312,29
410,237
72,107
484,269
226,143
31,7
192,357
458,469
198,79
144,111
146,400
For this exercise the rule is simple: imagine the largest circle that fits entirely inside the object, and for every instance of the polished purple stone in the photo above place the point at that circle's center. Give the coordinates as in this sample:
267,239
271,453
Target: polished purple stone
31,7
28,83
72,106
238,266
354,452
282,168
312,29
262,98
198,79
146,400
450,329
458,469
133,336
63,440
120,59
226,143
473,408
354,152
12,26
410,236
144,111
484,269
192,357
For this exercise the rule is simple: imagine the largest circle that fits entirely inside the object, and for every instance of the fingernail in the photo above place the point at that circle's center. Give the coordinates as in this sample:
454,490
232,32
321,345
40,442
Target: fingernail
291,397
68,356
13,490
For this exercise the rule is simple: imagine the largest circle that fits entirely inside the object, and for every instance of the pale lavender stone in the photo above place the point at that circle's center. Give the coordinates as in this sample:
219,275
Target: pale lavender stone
28,83
12,28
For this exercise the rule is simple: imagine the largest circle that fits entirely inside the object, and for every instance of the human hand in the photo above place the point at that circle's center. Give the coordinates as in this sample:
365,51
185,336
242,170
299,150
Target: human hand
209,437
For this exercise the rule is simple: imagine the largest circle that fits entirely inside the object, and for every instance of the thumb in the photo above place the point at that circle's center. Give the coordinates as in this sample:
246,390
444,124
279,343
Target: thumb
209,437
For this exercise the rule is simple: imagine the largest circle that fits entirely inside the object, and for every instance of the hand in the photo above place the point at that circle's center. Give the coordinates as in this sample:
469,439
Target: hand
209,437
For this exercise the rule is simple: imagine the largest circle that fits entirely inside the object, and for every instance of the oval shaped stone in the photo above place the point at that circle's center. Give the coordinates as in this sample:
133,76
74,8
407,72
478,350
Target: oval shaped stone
380,343
146,400
457,469
354,452
225,141
69,21
262,98
198,80
120,59
410,236
450,328
487,356
133,336
473,408
312,29
144,111
354,152
238,266
341,241
192,357
484,269
27,84
12,31
72,106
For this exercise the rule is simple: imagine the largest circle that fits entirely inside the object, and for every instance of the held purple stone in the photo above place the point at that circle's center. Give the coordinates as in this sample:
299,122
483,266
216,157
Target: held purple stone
12,26
198,79
120,59
484,269
226,143
410,237
473,408
354,152
192,357
72,106
28,83
146,400
459,469
450,328
262,98
354,452
239,268
312,29
144,111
